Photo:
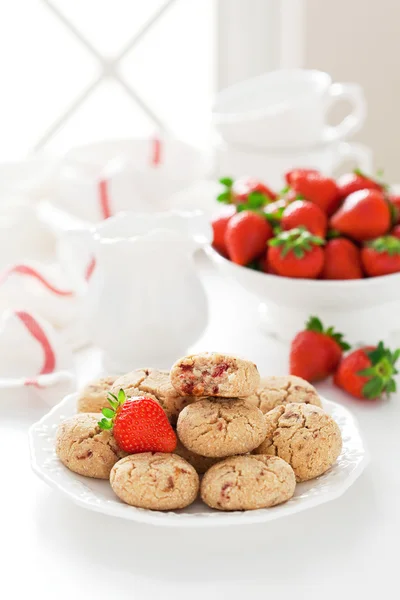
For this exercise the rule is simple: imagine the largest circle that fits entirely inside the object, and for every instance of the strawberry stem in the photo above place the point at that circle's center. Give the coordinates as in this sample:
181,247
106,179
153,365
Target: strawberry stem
315,324
109,413
381,372
387,243
297,240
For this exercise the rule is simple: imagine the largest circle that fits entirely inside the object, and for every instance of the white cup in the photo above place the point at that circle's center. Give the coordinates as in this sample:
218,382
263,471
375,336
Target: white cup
271,166
286,108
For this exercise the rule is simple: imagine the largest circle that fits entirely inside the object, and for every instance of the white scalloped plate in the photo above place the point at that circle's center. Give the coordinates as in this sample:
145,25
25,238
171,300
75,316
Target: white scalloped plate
97,495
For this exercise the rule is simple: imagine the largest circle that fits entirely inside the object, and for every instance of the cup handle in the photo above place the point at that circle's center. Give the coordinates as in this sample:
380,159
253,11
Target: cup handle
356,119
361,154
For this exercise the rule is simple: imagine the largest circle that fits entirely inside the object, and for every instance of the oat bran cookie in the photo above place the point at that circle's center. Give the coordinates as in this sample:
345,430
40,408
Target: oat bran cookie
155,383
198,462
221,427
155,481
304,436
93,398
85,448
274,391
242,483
213,374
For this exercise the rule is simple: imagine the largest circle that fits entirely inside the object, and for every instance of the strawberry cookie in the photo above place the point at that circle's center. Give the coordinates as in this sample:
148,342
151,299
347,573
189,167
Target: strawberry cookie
155,481
157,384
248,483
304,436
213,374
93,397
275,391
219,428
84,448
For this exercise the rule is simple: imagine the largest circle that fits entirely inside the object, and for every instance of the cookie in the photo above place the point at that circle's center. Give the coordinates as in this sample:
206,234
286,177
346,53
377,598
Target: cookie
93,398
274,391
303,435
248,482
213,374
200,463
219,428
85,448
155,481
155,383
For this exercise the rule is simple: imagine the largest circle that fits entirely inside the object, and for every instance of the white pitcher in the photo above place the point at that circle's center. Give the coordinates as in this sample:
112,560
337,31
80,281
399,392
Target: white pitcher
145,304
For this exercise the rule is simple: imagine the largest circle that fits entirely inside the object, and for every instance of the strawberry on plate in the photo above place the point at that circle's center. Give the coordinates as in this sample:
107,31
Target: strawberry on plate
307,214
246,236
355,181
296,253
316,188
342,260
381,256
138,424
219,224
367,373
246,191
364,215
316,352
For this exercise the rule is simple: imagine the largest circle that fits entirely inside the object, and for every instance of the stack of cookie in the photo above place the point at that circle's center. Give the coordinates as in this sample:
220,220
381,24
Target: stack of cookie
252,439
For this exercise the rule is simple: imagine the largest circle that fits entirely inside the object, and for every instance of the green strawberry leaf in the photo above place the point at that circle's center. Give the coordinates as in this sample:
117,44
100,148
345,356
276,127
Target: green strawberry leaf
387,243
226,181
121,396
373,388
257,200
315,324
108,412
225,198
105,424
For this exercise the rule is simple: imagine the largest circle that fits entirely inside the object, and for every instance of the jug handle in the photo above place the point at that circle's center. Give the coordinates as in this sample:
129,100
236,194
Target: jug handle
75,253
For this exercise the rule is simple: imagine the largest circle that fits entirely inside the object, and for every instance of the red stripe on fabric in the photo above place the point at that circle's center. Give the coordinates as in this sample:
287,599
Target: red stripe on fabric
37,332
104,197
156,152
90,268
31,272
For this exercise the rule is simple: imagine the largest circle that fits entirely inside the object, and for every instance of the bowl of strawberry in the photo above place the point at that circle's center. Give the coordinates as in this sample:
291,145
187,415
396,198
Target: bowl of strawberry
319,245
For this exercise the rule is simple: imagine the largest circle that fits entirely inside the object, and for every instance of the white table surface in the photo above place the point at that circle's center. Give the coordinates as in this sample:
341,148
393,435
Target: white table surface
51,548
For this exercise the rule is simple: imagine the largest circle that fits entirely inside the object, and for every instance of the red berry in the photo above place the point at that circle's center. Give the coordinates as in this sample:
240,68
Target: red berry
316,352
317,188
296,253
353,182
246,236
381,256
364,215
342,260
219,224
306,214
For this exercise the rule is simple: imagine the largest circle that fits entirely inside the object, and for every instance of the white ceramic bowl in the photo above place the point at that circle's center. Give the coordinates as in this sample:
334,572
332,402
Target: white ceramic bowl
366,310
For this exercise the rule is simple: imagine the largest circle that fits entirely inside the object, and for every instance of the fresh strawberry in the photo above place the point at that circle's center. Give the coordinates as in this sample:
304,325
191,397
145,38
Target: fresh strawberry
355,181
367,373
364,215
246,236
381,256
219,224
342,260
302,213
138,424
246,191
296,253
316,352
316,188
299,172
395,202
396,231
274,211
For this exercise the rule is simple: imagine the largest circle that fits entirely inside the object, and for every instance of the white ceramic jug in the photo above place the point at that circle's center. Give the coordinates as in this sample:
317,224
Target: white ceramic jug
145,304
